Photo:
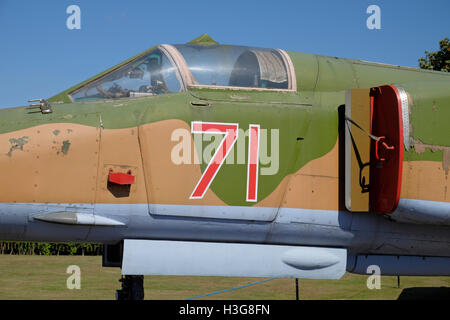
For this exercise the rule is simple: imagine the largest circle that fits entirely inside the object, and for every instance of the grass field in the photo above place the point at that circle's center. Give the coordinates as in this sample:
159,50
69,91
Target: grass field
44,277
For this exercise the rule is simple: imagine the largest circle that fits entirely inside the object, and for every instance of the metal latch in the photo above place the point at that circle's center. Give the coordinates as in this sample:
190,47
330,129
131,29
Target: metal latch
120,178
200,104
43,105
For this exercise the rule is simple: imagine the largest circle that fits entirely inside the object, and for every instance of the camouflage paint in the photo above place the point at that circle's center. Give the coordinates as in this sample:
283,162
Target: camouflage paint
124,133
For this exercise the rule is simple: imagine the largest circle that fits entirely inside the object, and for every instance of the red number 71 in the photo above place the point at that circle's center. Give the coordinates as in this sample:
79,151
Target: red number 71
231,132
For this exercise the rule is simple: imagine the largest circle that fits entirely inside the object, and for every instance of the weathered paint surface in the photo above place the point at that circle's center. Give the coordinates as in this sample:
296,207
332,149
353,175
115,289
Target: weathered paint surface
46,169
65,156
17,144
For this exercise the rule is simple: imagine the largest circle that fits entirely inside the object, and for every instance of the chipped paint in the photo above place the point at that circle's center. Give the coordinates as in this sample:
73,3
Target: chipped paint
17,144
446,160
420,147
410,100
65,147
56,132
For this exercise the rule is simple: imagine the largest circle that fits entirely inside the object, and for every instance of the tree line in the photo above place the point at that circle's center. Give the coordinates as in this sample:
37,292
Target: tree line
50,248
437,60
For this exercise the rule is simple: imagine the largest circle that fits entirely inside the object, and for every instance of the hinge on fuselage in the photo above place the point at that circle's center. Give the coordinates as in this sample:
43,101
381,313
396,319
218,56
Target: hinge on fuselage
43,105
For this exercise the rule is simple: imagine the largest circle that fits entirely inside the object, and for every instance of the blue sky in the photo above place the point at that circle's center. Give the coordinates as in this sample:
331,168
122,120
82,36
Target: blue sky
40,56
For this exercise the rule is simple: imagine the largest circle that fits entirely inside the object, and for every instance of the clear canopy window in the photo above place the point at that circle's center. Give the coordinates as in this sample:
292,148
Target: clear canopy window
161,71
235,66
151,74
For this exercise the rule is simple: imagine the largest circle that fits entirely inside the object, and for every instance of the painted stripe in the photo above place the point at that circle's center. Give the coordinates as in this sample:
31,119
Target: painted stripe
253,163
122,212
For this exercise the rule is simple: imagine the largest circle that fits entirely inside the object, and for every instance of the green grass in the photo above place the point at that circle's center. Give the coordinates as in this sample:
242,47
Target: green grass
44,277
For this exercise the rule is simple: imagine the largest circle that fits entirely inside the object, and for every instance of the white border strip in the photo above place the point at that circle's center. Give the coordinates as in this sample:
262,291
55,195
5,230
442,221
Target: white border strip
348,151
188,78
290,69
405,116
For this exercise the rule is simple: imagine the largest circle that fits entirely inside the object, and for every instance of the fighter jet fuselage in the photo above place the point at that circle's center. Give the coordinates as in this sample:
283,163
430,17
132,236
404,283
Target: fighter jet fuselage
211,159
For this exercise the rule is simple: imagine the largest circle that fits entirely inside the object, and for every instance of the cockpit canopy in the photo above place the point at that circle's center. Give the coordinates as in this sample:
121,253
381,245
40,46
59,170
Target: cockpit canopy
151,74
175,68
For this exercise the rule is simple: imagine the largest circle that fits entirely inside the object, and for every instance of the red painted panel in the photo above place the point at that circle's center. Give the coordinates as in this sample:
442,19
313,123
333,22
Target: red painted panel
386,155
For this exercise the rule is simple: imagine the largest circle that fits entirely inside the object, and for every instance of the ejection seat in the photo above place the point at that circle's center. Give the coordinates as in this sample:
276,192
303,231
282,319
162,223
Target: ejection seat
259,69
